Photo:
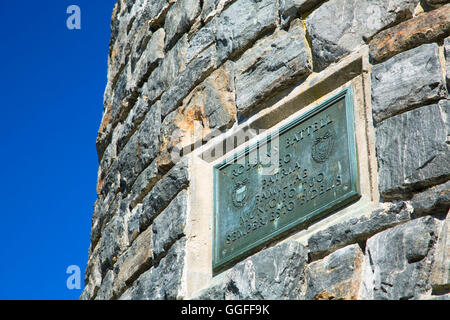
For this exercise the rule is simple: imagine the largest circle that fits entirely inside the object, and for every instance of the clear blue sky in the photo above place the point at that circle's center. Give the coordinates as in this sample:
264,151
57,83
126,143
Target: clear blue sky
51,91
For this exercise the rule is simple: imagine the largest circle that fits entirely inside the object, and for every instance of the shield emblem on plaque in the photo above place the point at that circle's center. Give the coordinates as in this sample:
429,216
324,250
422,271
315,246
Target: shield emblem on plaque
322,147
240,193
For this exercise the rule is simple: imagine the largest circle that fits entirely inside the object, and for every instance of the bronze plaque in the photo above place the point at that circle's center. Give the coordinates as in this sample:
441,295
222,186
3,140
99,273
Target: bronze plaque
295,175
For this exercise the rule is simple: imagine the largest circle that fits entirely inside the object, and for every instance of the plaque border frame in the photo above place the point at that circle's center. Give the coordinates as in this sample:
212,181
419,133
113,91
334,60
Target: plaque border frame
219,265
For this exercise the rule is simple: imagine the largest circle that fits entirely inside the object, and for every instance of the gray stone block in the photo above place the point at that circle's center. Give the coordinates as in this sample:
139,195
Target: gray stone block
357,229
397,263
105,291
243,22
179,19
447,61
141,149
440,274
202,39
163,192
291,9
338,27
407,80
433,200
270,65
188,79
162,281
412,150
273,273
170,224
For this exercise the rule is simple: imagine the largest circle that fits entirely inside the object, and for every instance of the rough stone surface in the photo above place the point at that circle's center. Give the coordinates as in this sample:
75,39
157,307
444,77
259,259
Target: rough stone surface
148,60
136,259
398,261
428,27
144,183
113,242
132,121
163,191
106,289
357,229
338,27
243,22
179,19
163,281
188,79
440,274
291,9
432,200
338,276
434,3
167,71
272,64
212,8
207,110
141,149
412,150
447,61
93,278
410,79
202,39
274,273
170,224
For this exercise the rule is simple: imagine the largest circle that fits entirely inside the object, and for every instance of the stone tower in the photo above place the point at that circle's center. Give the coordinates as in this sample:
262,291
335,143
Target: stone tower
274,149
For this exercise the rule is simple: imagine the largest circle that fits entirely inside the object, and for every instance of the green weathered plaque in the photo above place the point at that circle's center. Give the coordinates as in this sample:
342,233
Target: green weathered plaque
293,176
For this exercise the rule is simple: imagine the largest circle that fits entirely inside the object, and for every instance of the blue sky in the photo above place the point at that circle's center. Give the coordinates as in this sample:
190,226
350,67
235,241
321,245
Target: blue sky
51,93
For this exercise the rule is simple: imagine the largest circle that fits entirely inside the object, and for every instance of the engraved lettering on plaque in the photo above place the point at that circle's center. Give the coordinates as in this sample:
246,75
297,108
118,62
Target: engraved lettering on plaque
316,174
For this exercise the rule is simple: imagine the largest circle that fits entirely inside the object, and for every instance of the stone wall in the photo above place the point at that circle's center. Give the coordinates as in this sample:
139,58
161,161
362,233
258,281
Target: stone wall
180,72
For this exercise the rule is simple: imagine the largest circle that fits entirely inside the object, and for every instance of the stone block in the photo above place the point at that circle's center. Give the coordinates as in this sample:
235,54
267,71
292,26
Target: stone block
202,39
242,23
179,19
105,291
412,150
274,273
144,183
398,261
212,8
170,224
137,259
357,229
432,200
408,80
162,281
207,110
440,273
336,277
447,61
271,65
291,9
188,79
434,3
113,241
339,27
134,118
163,192
152,54
93,276
141,149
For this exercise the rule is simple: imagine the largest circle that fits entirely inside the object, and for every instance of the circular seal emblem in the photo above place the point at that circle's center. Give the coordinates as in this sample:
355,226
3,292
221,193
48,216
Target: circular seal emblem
240,193
322,147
